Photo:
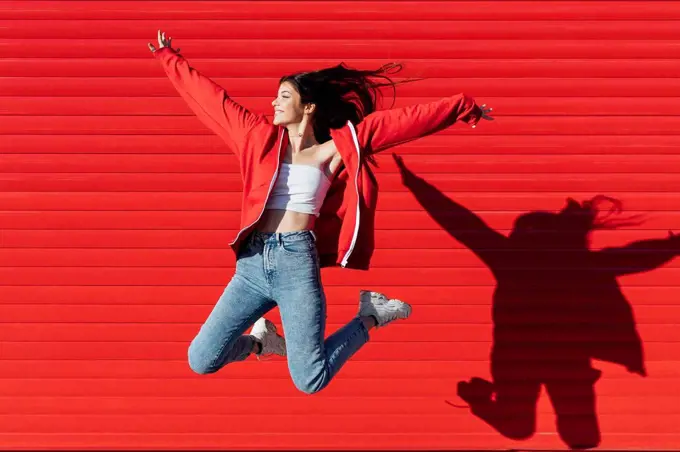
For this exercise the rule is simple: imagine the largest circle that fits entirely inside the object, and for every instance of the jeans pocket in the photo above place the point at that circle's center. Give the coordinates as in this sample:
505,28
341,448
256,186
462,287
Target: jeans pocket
302,247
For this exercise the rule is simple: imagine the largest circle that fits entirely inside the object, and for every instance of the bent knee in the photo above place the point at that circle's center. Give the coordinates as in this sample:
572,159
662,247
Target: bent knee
198,362
310,384
309,389
520,434
580,433
519,429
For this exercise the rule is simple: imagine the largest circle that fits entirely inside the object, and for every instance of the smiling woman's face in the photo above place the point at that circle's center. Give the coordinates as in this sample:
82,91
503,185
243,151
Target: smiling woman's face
287,106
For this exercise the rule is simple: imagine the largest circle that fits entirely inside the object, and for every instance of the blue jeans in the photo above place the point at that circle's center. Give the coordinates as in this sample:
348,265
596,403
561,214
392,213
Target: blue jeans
277,269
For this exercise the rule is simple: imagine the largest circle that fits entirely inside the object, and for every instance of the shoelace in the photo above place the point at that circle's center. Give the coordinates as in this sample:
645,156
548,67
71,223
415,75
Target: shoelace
392,311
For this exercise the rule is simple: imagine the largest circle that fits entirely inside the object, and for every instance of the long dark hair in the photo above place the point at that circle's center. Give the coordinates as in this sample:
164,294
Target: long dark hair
341,94
572,225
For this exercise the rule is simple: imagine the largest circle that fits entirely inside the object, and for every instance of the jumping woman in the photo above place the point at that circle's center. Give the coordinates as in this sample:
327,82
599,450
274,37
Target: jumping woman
308,202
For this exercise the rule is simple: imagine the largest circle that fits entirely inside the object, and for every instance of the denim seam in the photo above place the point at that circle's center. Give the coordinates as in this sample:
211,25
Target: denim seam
241,325
361,329
213,362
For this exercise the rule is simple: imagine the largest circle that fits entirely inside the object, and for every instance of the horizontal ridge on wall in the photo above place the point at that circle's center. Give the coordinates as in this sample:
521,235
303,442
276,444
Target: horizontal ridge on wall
214,239
212,220
223,258
437,333
171,107
340,49
423,164
519,202
350,29
566,184
455,350
293,405
192,386
434,144
206,295
400,276
360,441
431,87
341,10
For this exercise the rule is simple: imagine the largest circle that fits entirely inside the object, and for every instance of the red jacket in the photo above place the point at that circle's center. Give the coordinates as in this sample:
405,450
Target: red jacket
345,225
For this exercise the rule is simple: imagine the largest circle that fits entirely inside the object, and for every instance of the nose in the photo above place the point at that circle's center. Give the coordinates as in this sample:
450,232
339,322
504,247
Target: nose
274,103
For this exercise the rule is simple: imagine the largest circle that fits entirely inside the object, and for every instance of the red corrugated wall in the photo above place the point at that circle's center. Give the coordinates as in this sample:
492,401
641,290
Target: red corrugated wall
117,206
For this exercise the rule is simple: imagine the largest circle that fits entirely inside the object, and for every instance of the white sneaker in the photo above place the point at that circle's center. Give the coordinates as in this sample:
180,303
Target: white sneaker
272,343
385,311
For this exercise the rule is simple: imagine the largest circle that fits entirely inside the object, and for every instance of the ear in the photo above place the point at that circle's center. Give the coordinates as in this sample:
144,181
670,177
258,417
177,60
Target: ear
309,109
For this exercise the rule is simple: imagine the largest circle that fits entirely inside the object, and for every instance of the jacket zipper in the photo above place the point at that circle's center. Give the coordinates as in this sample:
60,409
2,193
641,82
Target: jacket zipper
271,185
356,187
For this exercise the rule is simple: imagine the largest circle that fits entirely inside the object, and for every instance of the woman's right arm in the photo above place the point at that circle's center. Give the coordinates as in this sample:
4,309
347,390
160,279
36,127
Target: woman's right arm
209,101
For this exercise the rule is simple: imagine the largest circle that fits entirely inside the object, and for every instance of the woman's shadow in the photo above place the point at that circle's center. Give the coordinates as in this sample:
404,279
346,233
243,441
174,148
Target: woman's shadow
557,305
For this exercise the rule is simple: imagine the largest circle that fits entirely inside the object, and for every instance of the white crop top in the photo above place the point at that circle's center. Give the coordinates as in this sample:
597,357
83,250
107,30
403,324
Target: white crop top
300,188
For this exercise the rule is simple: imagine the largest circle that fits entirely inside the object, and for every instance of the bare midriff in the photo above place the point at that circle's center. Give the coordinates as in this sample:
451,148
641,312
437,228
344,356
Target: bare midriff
276,220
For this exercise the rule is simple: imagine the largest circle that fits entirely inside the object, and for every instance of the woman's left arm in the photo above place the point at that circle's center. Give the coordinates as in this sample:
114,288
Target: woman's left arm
639,256
386,128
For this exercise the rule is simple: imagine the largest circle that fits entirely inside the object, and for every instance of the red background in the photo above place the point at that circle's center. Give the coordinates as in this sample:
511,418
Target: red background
117,206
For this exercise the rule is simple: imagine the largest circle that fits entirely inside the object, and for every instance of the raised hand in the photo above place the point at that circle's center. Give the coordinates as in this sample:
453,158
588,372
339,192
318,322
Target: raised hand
486,114
406,174
162,42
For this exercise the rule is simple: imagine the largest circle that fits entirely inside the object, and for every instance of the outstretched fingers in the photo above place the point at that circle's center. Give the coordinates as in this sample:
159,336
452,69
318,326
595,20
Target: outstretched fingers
163,41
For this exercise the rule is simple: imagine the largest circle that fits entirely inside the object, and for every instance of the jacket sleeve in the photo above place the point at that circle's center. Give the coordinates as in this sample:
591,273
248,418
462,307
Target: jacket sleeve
386,128
209,101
